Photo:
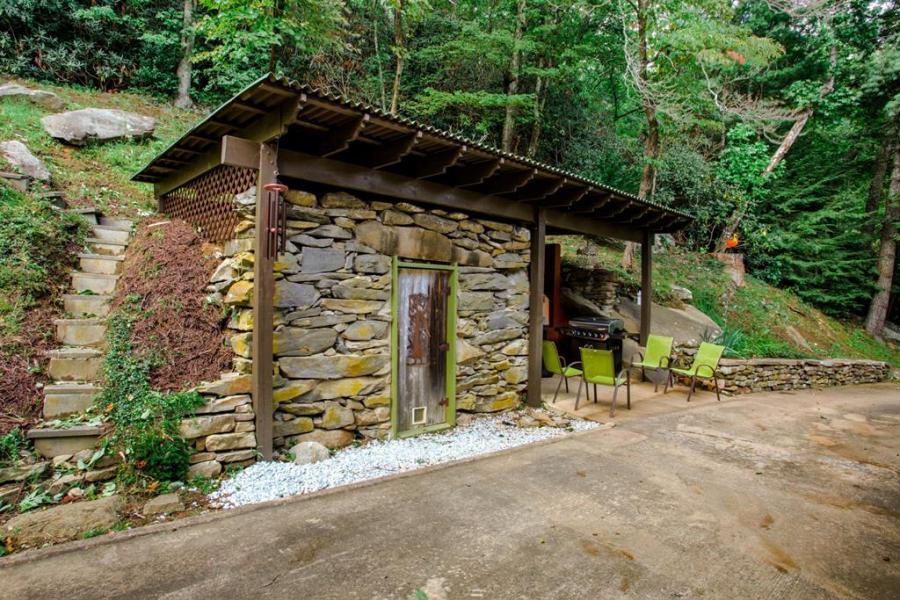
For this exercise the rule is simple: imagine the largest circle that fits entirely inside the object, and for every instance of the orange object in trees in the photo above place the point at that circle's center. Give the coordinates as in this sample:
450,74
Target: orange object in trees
733,242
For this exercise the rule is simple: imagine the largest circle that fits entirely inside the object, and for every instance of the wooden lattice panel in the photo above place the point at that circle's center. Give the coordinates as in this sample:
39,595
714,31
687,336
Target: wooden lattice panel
207,202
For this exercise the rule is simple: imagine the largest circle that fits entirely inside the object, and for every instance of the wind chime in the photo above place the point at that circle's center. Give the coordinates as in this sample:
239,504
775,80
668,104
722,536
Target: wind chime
276,215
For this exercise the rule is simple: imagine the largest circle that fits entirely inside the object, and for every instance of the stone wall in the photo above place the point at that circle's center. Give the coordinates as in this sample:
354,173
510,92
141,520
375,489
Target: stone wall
774,374
597,286
222,432
333,309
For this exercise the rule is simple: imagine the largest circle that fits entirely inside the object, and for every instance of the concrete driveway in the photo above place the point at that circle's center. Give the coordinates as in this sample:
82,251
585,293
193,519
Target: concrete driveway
792,495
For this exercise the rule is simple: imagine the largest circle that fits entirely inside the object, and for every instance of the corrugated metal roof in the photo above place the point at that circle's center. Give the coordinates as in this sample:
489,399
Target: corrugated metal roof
214,124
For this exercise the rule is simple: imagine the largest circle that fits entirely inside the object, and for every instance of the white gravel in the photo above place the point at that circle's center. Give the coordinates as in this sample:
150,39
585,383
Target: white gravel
270,480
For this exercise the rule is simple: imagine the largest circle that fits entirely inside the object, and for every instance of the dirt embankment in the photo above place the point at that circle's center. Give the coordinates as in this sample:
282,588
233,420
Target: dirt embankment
167,268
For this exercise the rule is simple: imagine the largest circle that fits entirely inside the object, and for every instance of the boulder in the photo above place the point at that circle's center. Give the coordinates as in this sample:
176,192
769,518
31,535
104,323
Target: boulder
682,294
292,427
347,387
39,97
163,504
78,127
22,472
435,223
63,522
307,453
22,160
332,439
208,469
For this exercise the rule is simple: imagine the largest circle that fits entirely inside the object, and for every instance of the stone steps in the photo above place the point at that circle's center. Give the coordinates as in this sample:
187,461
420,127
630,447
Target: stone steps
107,233
117,222
74,364
106,248
50,441
101,264
97,283
81,332
87,305
91,215
64,399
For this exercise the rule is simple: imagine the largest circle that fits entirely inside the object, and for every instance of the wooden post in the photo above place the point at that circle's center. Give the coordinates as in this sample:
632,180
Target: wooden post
263,310
536,308
646,284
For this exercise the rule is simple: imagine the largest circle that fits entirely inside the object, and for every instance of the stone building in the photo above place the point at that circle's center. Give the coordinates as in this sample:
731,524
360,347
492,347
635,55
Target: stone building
380,275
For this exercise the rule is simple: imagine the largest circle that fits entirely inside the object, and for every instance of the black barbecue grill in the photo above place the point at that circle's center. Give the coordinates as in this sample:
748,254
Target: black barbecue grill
595,332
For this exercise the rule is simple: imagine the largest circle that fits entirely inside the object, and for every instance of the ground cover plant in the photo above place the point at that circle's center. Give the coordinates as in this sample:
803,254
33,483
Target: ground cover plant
36,251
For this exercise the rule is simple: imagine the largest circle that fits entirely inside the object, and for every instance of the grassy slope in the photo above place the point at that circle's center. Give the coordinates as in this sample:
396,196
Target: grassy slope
97,175
756,318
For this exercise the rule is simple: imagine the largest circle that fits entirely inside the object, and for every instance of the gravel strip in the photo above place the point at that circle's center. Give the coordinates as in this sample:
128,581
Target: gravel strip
265,481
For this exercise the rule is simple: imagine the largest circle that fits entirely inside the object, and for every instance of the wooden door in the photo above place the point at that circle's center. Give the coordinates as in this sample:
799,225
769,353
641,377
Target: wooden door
423,347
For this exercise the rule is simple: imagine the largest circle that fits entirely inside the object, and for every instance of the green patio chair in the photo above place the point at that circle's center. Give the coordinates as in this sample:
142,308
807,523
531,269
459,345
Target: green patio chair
657,355
556,364
704,366
599,367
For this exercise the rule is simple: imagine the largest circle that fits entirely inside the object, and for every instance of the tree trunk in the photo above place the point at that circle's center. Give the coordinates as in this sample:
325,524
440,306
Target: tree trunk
398,51
879,171
802,118
381,85
537,114
512,88
183,98
887,254
275,49
651,141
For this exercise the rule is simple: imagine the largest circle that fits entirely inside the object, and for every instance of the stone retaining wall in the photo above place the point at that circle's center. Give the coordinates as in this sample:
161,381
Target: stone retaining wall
596,285
774,374
743,376
333,309
222,432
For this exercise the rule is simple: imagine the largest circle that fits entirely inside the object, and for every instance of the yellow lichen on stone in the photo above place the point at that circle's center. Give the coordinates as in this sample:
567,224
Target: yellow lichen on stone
241,292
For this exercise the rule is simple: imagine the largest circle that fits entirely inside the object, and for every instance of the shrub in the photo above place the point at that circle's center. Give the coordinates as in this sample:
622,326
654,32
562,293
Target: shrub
146,421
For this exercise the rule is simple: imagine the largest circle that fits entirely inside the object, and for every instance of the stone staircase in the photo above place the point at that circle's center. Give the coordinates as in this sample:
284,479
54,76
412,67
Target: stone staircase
75,366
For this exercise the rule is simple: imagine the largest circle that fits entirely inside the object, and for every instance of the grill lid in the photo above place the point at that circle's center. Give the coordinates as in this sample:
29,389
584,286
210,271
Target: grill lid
601,324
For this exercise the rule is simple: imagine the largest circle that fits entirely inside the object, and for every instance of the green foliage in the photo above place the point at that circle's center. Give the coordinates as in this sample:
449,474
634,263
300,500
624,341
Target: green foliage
34,252
146,421
11,444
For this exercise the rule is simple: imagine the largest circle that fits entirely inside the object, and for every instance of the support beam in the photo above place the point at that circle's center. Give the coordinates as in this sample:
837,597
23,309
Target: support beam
263,311
298,165
239,152
437,163
646,284
391,153
539,190
339,138
506,183
536,308
591,206
566,198
475,174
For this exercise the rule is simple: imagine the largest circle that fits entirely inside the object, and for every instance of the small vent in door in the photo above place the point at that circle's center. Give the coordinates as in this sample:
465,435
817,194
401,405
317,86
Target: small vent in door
419,415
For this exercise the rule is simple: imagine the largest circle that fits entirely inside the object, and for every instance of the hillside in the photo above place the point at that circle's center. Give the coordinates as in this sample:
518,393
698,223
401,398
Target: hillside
98,174
757,319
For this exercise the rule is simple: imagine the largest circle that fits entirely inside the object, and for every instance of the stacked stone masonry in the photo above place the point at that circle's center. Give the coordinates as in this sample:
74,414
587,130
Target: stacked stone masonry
743,376
333,309
774,374
222,432
599,286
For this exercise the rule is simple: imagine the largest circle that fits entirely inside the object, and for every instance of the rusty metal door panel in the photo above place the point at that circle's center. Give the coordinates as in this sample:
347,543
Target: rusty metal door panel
422,346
